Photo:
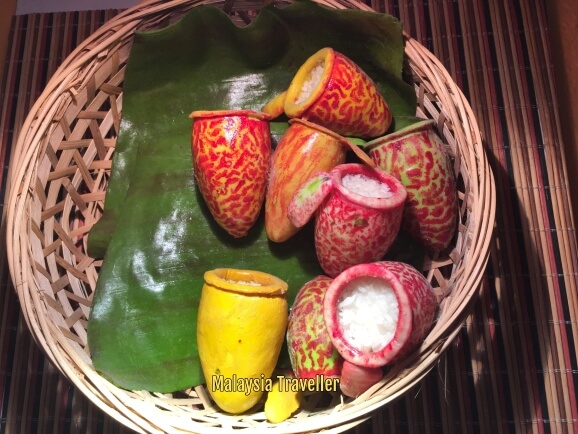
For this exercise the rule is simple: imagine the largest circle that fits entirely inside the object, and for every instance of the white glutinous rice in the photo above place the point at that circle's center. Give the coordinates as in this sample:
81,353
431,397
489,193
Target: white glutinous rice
365,186
311,83
244,282
367,312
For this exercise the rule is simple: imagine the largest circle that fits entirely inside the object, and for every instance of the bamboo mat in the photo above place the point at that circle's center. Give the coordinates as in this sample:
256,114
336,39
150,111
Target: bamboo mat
513,368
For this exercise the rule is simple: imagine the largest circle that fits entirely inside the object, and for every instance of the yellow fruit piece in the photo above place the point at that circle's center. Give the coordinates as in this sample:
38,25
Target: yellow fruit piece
281,403
275,106
241,325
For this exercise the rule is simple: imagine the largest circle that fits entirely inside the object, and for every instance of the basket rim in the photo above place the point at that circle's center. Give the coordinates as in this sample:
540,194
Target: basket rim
20,184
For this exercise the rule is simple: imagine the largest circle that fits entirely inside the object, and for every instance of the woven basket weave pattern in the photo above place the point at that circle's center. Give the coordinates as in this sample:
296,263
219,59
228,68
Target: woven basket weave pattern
57,191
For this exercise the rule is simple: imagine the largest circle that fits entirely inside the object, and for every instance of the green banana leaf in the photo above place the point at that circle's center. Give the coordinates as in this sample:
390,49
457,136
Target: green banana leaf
157,236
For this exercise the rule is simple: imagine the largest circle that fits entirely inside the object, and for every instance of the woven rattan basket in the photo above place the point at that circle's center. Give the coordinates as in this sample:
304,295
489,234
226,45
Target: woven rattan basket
57,185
